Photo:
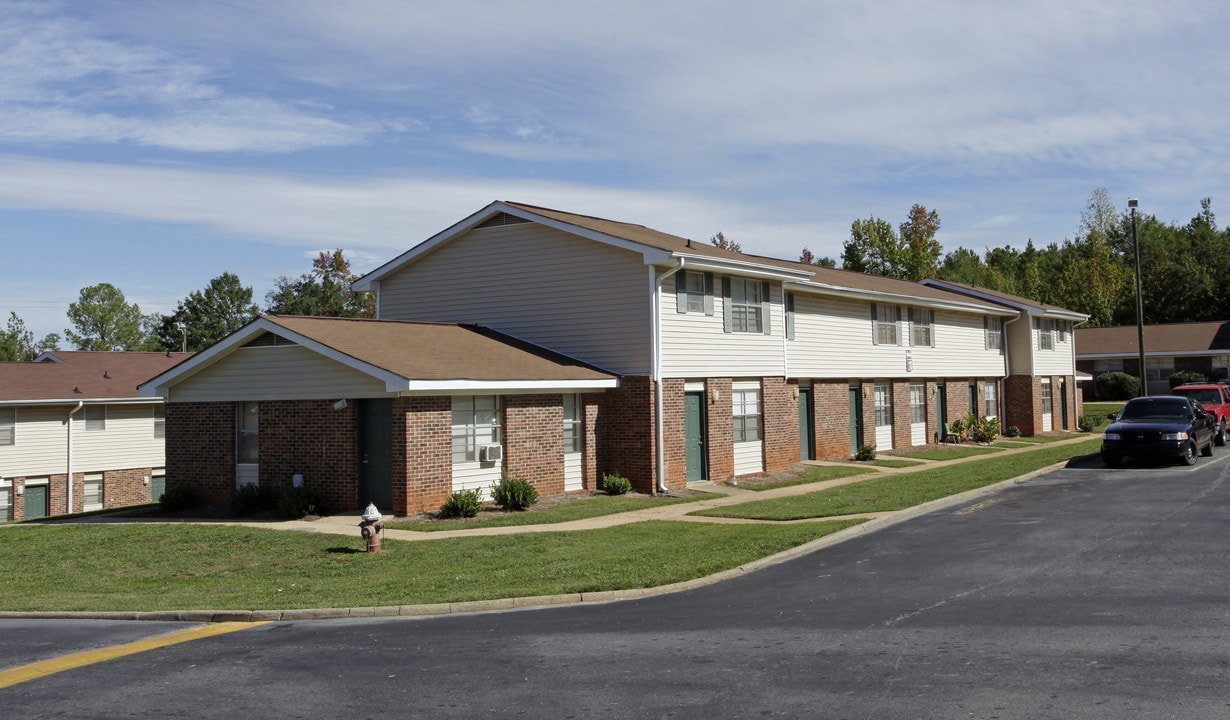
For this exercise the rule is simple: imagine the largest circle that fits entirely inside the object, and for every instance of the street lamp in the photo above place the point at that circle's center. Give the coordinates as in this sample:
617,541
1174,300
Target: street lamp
1140,313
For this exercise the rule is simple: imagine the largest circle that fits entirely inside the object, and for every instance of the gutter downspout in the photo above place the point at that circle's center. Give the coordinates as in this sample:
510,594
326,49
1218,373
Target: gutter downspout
69,474
655,301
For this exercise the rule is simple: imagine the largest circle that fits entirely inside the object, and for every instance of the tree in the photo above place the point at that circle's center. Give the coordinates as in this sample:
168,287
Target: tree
720,241
104,320
16,342
206,316
809,258
874,248
921,250
323,292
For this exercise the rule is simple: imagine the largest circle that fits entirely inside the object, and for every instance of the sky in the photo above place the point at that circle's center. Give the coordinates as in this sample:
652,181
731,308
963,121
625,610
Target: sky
156,144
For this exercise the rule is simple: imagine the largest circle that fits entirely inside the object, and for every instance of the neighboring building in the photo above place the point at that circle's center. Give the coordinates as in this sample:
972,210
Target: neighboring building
75,436
1202,347
714,364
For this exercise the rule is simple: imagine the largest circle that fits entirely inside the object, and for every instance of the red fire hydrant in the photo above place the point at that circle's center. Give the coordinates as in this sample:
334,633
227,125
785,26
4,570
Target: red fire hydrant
371,528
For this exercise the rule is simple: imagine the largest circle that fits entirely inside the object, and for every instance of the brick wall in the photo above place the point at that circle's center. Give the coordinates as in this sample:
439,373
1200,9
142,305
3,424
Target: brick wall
831,418
675,426
626,432
1023,408
721,429
422,453
591,404
780,406
534,440
200,441
309,437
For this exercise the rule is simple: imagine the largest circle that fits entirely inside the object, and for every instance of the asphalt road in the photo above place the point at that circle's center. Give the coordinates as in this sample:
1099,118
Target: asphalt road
1086,593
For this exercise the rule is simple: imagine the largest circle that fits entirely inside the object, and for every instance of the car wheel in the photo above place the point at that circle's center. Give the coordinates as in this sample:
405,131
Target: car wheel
1112,461
1220,438
1189,453
1207,450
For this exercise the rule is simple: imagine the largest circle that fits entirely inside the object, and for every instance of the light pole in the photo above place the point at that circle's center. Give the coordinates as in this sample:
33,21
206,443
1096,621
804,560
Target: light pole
1140,313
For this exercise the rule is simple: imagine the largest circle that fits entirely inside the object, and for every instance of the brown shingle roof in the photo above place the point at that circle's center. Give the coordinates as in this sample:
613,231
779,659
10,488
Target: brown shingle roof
1159,339
82,376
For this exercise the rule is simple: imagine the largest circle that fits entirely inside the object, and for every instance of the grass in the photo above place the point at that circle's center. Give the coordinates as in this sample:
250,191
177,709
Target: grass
814,474
897,492
955,453
1101,408
579,509
140,567
895,463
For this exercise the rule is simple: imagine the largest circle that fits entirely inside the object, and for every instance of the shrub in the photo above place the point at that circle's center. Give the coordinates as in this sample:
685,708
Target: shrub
462,503
1013,431
178,497
1117,386
866,453
1090,421
250,499
615,484
1184,377
983,429
297,502
513,493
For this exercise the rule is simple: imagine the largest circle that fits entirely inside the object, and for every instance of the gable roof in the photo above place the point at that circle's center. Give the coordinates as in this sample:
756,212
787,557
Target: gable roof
1198,338
1030,307
660,248
60,376
409,356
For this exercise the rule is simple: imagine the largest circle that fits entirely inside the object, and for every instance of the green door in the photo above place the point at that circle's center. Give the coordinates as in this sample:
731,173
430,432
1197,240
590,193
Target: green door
941,409
376,454
806,436
856,419
37,501
1063,402
157,487
694,428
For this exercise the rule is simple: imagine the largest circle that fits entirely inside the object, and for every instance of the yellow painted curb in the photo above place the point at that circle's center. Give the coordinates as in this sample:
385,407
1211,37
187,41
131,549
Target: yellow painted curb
68,662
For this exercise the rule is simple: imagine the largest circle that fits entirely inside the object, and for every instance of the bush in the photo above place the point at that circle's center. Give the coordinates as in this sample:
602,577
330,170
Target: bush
1117,386
1090,421
178,497
251,499
615,484
1013,431
513,493
866,453
1184,377
462,503
297,502
982,429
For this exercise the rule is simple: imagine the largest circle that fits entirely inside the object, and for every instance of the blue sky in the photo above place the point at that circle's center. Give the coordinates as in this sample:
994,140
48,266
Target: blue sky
157,144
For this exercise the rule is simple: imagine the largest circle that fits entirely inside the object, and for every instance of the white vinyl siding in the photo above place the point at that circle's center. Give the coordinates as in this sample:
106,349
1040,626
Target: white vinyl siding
694,344
748,423
8,426
286,372
832,341
576,296
1059,360
42,441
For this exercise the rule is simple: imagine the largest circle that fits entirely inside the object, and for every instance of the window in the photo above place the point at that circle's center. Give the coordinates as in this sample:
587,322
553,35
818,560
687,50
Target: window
993,333
476,424
884,405
746,305
95,418
1108,365
573,439
746,415
247,433
1046,334
160,421
921,322
1159,368
990,396
694,292
93,487
6,502
918,403
1048,404
884,324
8,426
1221,367
789,316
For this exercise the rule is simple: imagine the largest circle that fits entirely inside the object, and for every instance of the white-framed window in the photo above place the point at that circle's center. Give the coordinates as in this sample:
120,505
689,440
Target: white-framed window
747,418
746,301
1159,368
1106,365
6,501
1048,403
918,403
884,319
160,421
95,418
573,438
884,405
1221,367
1046,334
476,424
993,333
8,426
694,292
990,398
93,489
247,433
922,322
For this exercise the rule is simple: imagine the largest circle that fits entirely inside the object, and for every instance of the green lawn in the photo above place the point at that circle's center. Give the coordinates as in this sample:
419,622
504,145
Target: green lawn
147,567
955,452
900,491
578,509
814,474
895,463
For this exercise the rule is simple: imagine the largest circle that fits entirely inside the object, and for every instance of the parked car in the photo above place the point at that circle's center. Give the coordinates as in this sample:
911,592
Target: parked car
1164,426
1215,398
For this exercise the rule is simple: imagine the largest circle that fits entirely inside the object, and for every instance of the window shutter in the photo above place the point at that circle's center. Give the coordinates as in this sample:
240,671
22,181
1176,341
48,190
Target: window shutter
681,291
986,333
910,329
897,327
931,328
727,322
766,307
709,293
875,320
789,316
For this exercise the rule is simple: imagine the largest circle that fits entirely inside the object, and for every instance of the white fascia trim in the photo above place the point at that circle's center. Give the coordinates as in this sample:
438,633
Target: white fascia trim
1031,310
736,267
877,296
505,386
90,401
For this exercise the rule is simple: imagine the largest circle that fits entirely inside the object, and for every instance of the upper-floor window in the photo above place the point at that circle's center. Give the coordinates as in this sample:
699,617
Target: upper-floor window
884,319
993,333
747,420
572,423
160,421
789,316
476,424
746,305
8,426
95,418
1046,334
694,292
922,322
247,433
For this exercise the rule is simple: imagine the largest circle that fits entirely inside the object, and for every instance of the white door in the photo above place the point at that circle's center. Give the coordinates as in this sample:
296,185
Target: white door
884,417
918,414
574,443
1047,406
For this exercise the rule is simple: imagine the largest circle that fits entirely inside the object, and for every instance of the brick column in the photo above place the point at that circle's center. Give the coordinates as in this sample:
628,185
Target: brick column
721,440
831,418
534,440
780,406
422,453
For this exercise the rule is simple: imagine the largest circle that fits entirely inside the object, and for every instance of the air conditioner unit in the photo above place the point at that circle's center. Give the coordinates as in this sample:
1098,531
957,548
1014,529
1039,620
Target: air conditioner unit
491,453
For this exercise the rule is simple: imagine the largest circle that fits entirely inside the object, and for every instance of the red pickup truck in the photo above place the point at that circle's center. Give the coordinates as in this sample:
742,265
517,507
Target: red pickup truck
1215,398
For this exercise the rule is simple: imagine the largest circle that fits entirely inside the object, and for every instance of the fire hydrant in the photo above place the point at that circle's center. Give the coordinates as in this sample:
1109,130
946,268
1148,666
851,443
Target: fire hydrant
371,527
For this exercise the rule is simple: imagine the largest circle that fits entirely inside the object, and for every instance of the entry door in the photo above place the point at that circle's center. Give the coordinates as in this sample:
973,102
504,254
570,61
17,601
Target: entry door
37,501
941,409
376,454
806,435
157,487
694,428
856,419
1063,401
